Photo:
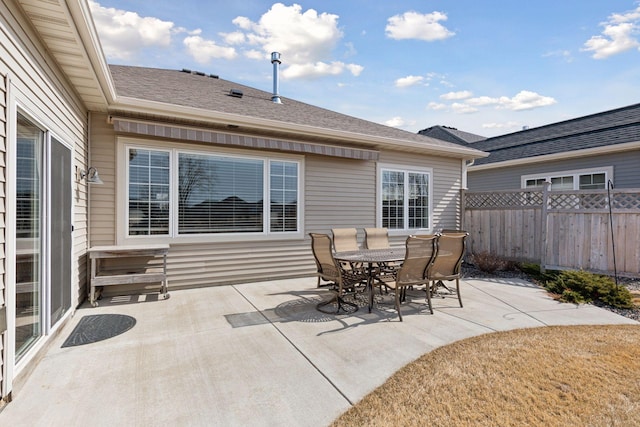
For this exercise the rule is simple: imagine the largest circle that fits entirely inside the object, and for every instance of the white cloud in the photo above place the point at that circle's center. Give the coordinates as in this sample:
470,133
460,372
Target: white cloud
408,81
236,37
564,54
506,125
395,122
463,94
523,100
305,39
123,34
619,35
462,108
320,69
414,25
437,106
203,51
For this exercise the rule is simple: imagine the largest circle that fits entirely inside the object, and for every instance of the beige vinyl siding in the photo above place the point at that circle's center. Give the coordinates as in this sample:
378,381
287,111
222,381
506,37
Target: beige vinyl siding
447,182
102,206
43,90
338,193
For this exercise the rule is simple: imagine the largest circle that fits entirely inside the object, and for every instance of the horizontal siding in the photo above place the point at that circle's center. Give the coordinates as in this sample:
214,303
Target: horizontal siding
338,193
43,90
625,171
447,183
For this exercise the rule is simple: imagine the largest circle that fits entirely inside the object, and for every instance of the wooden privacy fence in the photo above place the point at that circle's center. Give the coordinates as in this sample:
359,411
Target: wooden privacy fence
557,229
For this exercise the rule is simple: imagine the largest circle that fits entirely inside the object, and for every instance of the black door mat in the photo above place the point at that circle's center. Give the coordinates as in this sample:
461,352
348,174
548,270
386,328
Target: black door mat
98,327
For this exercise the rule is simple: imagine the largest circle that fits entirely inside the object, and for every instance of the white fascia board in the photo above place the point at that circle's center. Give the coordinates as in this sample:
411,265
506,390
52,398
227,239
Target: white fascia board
86,30
161,108
608,149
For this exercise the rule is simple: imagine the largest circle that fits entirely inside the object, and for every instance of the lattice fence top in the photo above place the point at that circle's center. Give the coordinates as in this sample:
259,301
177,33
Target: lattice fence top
504,199
582,199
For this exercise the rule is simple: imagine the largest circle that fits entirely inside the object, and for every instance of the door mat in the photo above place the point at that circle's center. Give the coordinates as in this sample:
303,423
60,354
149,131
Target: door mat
98,327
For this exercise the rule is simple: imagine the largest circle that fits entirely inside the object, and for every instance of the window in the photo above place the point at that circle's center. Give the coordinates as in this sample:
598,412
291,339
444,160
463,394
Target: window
148,192
595,181
215,194
405,199
571,180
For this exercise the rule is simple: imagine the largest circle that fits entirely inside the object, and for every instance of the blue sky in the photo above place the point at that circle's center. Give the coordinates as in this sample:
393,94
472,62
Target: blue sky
485,67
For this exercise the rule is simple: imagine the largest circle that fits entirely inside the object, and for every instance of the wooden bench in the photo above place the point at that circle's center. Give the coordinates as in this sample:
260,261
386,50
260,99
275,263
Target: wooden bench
126,276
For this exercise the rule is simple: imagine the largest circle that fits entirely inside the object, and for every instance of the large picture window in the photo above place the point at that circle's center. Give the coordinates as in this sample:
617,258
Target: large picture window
214,194
405,199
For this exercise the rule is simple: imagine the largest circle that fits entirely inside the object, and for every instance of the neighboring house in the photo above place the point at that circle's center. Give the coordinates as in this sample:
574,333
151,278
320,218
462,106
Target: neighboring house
233,181
450,134
582,153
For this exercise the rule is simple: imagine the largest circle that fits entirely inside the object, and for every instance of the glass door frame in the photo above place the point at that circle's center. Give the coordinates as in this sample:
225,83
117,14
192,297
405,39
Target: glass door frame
12,366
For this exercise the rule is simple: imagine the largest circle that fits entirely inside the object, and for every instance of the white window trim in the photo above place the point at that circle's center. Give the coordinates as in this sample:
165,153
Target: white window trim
575,173
405,169
122,192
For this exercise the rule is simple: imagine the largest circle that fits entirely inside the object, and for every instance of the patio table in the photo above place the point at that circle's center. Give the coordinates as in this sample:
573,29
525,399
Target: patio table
372,257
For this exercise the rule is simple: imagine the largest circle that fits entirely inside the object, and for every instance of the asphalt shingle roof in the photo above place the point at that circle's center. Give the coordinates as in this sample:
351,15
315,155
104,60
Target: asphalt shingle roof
205,92
611,127
450,134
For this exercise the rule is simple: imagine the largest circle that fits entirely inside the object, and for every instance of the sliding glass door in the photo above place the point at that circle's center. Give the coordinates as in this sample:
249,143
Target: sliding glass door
29,244
43,233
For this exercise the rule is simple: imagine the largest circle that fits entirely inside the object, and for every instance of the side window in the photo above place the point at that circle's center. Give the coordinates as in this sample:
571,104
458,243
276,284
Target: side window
148,192
405,199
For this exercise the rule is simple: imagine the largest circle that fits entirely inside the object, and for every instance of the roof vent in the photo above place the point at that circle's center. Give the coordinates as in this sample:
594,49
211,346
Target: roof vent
275,60
236,93
214,76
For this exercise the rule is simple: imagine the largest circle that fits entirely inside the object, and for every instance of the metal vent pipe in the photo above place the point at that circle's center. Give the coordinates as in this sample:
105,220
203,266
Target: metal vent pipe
275,60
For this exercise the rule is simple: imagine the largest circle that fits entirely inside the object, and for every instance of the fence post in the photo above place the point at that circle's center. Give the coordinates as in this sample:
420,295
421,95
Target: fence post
543,224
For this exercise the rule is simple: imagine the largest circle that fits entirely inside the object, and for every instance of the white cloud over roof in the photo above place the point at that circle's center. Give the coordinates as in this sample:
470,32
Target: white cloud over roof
414,25
123,34
619,35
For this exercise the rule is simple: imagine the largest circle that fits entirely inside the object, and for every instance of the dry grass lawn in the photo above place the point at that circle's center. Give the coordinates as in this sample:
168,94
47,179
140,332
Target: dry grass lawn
551,376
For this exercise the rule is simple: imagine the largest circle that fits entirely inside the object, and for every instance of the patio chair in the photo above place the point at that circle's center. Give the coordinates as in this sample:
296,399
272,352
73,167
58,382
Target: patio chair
329,269
419,258
345,239
451,249
376,238
451,231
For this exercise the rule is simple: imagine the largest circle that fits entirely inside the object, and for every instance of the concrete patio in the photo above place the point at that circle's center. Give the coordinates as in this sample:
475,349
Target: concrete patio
259,354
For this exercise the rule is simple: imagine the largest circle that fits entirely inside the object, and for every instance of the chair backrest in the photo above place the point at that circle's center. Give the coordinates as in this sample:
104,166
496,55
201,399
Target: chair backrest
451,231
420,255
328,268
345,239
451,248
376,238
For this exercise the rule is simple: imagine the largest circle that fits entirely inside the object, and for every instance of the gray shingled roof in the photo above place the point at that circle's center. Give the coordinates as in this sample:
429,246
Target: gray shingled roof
617,126
450,134
212,93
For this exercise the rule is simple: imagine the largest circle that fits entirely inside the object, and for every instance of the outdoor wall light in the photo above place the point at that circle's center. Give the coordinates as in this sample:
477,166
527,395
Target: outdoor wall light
91,175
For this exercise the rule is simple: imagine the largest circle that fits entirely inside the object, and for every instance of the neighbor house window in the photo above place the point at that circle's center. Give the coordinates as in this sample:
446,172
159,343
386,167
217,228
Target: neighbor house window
574,180
405,199
214,194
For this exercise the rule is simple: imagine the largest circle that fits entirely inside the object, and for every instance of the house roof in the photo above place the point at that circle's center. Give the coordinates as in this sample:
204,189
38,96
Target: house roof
68,32
608,128
207,99
450,134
